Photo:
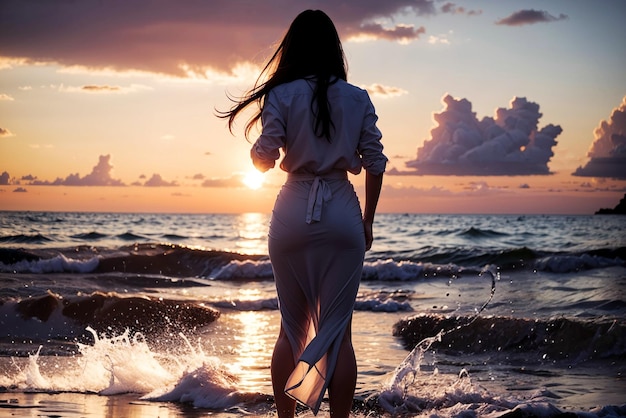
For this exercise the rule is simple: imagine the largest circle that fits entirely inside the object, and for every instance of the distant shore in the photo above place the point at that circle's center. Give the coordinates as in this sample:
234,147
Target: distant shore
620,209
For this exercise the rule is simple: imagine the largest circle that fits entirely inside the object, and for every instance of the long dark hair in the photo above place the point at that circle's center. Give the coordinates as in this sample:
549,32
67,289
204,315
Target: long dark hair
311,48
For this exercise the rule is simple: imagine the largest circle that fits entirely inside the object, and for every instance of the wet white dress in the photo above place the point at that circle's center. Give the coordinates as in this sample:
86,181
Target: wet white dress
316,238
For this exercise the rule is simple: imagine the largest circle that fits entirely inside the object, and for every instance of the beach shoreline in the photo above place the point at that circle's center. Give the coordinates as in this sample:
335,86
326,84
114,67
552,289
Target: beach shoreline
75,405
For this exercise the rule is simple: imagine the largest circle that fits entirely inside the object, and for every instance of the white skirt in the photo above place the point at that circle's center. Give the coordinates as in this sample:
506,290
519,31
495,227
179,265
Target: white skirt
316,246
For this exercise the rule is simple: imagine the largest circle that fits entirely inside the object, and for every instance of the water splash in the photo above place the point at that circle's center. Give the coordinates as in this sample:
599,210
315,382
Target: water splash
396,396
125,363
32,374
128,361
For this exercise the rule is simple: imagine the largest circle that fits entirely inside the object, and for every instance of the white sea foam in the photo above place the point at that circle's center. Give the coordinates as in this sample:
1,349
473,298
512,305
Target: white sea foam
57,264
247,305
377,305
392,270
126,364
208,386
247,269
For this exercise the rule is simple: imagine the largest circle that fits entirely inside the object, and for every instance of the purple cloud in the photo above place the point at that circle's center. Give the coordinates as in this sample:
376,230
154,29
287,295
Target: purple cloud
458,10
100,176
608,151
529,17
509,144
160,36
157,181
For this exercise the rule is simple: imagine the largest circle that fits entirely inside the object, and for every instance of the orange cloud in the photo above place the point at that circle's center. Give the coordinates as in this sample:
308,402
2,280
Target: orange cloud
384,91
91,88
5,133
220,182
400,33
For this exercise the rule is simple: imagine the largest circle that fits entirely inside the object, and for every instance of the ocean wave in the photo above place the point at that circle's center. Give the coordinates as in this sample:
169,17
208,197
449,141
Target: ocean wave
572,263
476,257
521,258
244,270
175,260
392,270
25,239
129,236
384,301
44,219
174,237
380,301
90,236
55,316
179,261
481,233
552,339
57,264
50,315
9,256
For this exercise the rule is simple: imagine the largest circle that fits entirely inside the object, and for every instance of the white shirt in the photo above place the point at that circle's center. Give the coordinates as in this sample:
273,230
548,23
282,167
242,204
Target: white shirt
288,123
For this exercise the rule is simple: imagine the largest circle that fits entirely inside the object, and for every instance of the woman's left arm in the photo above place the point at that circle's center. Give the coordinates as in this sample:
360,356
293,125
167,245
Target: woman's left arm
265,151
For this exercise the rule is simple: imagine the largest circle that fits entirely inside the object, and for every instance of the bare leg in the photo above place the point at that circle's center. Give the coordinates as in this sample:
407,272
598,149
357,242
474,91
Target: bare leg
282,366
343,382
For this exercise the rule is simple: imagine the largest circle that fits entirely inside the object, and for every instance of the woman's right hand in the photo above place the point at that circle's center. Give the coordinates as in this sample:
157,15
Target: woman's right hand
369,234
373,184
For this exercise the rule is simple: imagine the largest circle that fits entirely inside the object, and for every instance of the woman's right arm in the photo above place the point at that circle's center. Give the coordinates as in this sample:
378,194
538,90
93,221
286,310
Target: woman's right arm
374,162
373,185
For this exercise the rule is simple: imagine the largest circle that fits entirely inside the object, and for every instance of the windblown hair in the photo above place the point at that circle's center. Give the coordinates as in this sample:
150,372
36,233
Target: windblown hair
310,49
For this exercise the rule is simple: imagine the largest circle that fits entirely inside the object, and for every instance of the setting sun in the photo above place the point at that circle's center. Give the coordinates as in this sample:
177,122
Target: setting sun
253,179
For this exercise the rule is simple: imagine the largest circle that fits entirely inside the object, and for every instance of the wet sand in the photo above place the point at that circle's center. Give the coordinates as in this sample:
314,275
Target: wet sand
74,405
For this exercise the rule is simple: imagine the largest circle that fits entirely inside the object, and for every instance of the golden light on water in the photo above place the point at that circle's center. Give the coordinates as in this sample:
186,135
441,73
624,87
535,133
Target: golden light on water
254,350
252,232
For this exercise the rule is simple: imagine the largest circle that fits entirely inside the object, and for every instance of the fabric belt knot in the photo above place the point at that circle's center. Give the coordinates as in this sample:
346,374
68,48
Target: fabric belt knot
319,193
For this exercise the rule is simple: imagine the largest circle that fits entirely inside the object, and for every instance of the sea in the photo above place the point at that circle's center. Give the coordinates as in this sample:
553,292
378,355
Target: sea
176,315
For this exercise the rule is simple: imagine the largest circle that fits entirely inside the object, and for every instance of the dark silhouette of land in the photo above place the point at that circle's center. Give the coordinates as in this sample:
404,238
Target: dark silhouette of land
620,209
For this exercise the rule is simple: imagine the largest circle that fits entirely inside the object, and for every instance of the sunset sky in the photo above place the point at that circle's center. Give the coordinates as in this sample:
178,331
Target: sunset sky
485,106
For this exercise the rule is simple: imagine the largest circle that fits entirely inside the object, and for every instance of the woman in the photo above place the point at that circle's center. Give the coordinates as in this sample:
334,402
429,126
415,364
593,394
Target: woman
317,237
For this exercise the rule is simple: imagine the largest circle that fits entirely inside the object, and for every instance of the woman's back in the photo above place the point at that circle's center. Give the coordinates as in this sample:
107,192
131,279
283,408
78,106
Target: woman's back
288,122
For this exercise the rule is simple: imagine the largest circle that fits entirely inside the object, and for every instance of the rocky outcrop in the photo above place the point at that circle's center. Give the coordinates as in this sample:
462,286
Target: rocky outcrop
620,209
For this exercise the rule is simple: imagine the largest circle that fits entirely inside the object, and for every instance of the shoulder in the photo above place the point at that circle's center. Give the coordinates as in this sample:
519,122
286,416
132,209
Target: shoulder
343,88
340,89
296,87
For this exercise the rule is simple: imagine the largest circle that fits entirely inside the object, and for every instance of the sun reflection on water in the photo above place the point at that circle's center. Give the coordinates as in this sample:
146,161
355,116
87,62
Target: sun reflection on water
254,350
252,233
